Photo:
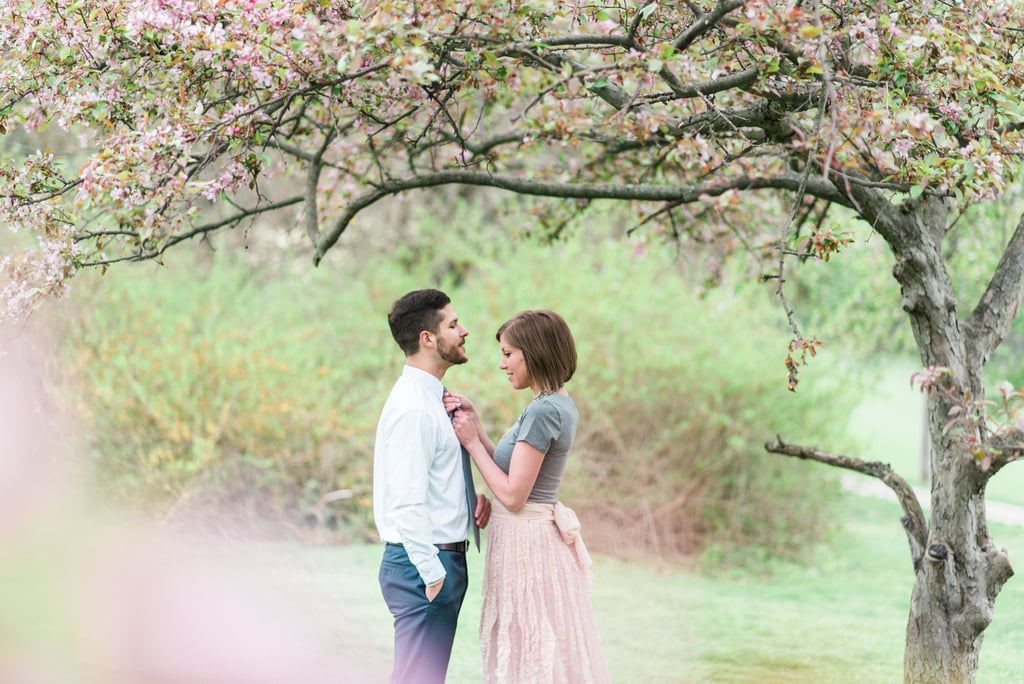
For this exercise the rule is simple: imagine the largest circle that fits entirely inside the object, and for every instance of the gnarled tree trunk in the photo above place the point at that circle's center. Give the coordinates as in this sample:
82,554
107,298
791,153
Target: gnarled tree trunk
958,570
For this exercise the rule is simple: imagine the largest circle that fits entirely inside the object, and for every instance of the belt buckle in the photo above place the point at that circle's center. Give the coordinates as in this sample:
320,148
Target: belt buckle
458,547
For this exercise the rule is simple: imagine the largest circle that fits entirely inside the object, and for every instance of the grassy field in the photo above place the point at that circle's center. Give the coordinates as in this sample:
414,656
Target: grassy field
79,600
840,618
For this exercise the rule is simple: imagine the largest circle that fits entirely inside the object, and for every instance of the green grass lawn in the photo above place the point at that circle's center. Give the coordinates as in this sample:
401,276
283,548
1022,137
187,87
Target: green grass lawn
840,618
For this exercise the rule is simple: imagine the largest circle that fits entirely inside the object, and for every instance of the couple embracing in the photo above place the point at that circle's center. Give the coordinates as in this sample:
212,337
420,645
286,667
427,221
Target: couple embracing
537,625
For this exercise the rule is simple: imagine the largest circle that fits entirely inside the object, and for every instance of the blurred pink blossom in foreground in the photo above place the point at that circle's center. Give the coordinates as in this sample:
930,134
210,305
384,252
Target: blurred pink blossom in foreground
88,596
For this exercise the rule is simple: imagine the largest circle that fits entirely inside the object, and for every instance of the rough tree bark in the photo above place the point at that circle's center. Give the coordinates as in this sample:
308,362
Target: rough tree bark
961,572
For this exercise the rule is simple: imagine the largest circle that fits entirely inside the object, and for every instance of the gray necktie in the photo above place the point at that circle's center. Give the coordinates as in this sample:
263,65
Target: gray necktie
467,473
470,496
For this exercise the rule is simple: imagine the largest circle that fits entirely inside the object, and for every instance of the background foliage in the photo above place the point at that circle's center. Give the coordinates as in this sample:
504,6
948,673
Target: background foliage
212,384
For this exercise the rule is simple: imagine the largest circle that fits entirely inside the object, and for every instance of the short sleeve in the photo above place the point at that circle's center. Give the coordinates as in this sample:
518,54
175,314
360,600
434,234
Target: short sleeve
540,426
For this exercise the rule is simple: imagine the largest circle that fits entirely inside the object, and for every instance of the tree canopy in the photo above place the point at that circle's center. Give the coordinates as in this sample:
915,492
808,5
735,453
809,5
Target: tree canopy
180,118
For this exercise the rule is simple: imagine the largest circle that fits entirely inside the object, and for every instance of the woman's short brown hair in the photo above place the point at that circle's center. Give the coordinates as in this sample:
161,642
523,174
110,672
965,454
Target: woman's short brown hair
547,344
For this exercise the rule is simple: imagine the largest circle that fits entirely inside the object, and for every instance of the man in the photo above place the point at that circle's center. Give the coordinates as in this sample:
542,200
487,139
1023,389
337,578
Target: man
420,497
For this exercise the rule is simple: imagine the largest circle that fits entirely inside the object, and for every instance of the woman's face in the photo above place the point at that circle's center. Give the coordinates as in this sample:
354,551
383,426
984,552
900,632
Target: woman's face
514,364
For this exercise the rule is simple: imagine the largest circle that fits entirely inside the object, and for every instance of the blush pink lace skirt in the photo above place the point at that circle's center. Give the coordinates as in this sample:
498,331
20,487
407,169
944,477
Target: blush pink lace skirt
537,624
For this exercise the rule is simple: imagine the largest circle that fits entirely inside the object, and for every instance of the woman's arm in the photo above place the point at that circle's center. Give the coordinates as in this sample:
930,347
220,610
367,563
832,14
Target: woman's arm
510,489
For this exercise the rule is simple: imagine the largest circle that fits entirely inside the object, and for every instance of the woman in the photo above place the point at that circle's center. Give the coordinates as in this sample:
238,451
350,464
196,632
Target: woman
537,624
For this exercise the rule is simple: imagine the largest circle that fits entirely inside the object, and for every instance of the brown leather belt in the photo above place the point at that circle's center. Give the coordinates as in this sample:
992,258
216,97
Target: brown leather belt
459,547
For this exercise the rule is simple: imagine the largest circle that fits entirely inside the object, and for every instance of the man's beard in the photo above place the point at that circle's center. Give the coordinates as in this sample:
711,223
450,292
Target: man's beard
453,354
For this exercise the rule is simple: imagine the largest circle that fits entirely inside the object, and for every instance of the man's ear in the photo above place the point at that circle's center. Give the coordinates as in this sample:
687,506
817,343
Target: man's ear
426,339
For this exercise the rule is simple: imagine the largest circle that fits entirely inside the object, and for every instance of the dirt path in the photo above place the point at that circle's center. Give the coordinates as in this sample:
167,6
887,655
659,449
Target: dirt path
868,486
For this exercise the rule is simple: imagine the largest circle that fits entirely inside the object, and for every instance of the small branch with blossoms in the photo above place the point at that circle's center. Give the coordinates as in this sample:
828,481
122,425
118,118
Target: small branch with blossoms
801,348
991,432
149,251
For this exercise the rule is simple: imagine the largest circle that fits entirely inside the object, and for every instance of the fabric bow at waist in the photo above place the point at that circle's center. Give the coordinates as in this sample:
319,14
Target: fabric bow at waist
565,519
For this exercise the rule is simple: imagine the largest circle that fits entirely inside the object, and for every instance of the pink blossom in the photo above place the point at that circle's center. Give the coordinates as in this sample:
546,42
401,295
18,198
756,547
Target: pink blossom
952,111
605,27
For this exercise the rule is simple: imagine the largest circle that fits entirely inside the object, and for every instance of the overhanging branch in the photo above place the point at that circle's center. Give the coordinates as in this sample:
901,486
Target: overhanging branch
913,520
740,80
229,221
144,253
681,194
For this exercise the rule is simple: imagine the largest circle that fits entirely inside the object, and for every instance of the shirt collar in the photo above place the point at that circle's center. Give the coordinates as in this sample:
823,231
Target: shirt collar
424,379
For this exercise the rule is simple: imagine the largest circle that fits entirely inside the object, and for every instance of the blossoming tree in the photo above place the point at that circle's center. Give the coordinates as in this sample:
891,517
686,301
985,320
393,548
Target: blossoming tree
176,113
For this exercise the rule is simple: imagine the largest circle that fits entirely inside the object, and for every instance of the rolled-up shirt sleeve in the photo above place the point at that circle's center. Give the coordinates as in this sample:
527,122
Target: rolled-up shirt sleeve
409,460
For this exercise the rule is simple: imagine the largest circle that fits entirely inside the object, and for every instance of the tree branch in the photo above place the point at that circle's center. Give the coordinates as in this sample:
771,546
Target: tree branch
142,255
997,572
705,23
819,187
606,90
990,321
913,520
777,126
577,41
739,80
1006,449
312,179
246,213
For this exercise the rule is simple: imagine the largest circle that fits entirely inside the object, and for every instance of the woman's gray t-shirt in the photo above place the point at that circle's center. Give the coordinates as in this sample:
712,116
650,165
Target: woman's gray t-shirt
549,425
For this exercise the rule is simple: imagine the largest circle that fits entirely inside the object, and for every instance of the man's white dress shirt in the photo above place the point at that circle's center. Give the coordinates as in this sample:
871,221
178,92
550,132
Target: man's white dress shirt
419,495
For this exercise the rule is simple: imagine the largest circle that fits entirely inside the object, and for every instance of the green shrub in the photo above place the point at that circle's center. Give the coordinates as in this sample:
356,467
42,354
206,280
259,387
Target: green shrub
208,386
254,391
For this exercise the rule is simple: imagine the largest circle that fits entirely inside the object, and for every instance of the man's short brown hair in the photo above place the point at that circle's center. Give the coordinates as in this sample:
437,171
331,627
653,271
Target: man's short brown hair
414,312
